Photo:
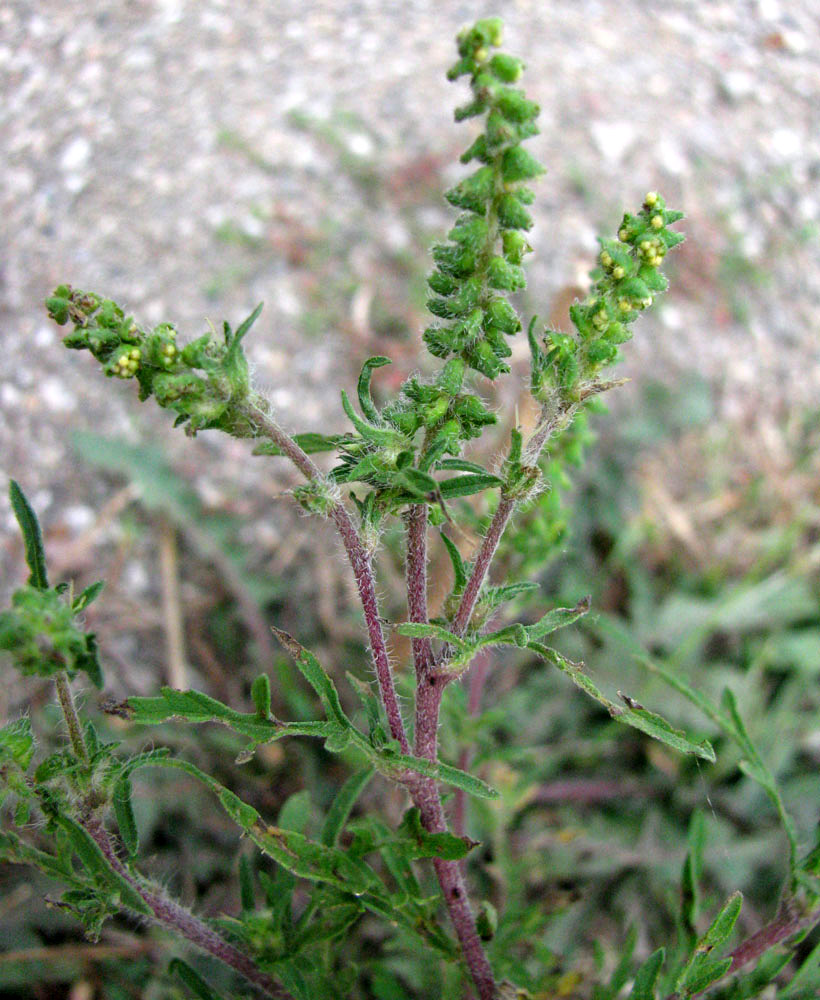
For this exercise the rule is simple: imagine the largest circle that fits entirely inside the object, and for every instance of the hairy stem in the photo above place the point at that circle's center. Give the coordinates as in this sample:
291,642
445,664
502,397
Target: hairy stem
72,720
360,562
553,419
478,677
786,924
482,564
426,797
168,912
424,791
416,576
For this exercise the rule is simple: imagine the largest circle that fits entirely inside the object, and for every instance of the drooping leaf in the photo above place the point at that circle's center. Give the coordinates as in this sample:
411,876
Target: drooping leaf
459,571
632,713
365,399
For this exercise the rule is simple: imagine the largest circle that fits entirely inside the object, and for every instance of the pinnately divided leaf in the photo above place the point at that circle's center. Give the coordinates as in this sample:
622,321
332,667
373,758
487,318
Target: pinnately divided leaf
632,713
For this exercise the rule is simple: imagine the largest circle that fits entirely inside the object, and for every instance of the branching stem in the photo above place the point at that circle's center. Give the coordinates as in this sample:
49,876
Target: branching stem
360,562
168,912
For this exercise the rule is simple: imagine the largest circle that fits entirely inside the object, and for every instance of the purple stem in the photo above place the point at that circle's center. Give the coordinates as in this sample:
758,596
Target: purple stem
416,573
424,791
168,912
786,924
359,561
482,564
426,798
365,581
478,677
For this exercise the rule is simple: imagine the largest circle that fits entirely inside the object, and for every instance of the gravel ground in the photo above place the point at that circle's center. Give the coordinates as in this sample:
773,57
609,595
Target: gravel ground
122,132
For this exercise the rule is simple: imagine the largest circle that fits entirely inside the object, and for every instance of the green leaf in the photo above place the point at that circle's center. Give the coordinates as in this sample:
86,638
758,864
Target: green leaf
703,972
247,324
17,852
88,661
806,981
757,770
32,536
310,443
422,844
644,986
17,742
365,399
240,812
95,862
424,630
124,813
260,693
246,891
319,680
91,593
620,973
462,465
702,968
342,805
723,924
493,597
558,618
378,435
633,714
314,861
465,486
195,707
459,572
191,979
443,772
692,871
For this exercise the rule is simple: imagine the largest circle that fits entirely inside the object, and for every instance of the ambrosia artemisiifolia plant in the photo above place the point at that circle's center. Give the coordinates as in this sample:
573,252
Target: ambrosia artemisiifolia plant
404,460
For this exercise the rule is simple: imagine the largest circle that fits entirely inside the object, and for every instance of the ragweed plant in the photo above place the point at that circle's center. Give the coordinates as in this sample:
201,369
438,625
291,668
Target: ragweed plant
406,460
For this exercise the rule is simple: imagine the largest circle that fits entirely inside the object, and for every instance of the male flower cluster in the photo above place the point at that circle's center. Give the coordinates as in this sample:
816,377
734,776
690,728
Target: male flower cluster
202,382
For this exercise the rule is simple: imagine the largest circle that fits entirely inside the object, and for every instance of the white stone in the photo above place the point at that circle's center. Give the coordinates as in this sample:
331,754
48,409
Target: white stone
613,139
75,154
